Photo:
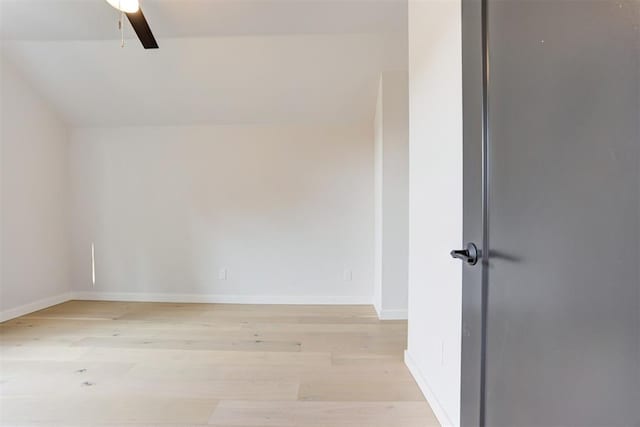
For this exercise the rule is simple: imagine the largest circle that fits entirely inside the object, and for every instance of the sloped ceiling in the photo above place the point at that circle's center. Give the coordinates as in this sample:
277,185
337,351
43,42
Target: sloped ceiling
220,61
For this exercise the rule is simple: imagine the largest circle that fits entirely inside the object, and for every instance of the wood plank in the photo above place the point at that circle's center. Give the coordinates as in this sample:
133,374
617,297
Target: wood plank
122,363
93,410
323,414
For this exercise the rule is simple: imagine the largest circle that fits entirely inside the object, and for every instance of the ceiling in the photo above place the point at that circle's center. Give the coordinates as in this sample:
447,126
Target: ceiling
94,20
220,61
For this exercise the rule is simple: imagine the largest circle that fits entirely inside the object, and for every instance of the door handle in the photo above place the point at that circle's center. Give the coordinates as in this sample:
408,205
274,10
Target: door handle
470,254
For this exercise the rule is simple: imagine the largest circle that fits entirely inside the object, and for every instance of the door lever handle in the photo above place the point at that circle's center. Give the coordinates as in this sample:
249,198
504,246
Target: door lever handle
469,255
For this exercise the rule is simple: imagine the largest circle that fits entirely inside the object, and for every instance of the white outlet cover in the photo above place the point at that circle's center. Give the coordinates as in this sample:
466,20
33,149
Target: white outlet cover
222,274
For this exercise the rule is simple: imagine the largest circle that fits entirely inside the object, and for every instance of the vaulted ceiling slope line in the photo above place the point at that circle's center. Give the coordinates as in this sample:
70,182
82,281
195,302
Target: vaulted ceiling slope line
93,20
283,79
220,62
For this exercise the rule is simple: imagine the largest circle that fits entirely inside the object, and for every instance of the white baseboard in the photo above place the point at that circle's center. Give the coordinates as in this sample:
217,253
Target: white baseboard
220,299
390,314
439,411
40,304
377,308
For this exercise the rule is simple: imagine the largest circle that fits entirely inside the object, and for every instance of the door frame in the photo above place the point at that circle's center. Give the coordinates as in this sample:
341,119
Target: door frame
475,76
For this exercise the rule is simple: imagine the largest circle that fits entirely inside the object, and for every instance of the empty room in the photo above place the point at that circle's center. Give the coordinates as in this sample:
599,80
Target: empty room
320,213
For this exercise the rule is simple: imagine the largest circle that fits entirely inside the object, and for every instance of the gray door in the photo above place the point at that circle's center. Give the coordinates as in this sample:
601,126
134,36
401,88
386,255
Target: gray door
551,331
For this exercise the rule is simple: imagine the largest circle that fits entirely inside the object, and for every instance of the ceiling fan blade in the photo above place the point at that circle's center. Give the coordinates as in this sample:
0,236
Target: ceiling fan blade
141,27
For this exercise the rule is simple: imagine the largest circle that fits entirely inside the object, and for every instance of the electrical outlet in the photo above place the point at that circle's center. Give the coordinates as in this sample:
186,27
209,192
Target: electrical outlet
348,275
222,274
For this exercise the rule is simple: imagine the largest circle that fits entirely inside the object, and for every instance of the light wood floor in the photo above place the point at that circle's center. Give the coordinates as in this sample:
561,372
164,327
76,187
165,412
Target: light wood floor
112,363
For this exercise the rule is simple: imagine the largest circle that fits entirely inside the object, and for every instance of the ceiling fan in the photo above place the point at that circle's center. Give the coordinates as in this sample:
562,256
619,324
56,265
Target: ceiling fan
132,9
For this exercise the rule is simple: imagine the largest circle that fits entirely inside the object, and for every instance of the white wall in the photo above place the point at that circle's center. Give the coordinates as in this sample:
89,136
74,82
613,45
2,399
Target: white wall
435,94
285,209
34,251
391,136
